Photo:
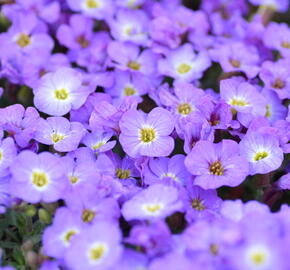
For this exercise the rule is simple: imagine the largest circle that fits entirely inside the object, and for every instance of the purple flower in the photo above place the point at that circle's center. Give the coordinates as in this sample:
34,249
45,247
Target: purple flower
127,56
97,9
200,203
65,136
183,64
155,202
37,178
237,57
216,165
130,25
8,153
171,170
262,152
99,141
97,247
277,37
5,198
275,76
57,237
19,123
60,91
147,135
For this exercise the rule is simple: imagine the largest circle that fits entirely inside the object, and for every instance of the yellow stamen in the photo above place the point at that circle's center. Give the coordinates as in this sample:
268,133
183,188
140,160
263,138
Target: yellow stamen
88,215
147,135
260,155
197,204
61,94
23,40
129,91
239,102
216,168
92,4
134,65
184,108
39,179
122,174
56,137
97,252
183,68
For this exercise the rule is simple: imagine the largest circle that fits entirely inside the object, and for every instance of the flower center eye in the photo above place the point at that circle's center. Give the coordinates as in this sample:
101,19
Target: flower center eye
268,111
134,65
129,91
235,63
83,41
88,215
216,168
39,179
98,145
258,258
260,155
97,252
122,174
285,44
213,248
92,4
68,235
61,94
184,108
56,137
1,155
183,68
147,135
239,102
278,84
197,204
153,208
73,179
23,40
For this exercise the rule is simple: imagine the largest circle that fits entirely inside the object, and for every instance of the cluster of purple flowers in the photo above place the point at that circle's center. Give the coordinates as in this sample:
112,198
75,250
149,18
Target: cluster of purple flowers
130,145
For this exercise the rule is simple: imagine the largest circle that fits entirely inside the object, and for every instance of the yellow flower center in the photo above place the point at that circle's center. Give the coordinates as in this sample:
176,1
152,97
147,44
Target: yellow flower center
170,175
61,94
216,168
73,179
83,41
285,44
153,208
235,63
23,40
197,204
213,248
92,4
97,252
98,145
129,91
88,215
239,102
68,235
56,137
184,108
147,135
258,258
122,174
39,179
134,65
268,111
1,155
260,155
183,68
278,84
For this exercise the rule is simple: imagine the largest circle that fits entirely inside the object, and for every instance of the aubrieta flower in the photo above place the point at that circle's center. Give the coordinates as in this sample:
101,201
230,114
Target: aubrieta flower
5,197
65,136
243,98
279,5
147,135
99,141
37,177
8,152
237,57
262,152
277,37
57,237
97,247
127,56
97,9
183,64
216,165
19,123
59,92
275,76
166,170
130,25
156,202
